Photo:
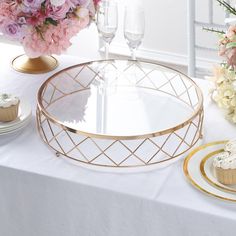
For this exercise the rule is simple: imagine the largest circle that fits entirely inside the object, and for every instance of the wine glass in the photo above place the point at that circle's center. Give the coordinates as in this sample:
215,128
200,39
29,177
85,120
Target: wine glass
107,21
134,25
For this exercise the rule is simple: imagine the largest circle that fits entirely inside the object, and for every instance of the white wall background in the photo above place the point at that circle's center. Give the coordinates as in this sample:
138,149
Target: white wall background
165,34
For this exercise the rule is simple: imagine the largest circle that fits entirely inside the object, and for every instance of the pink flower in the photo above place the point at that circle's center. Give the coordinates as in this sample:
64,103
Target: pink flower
59,13
231,56
80,2
36,20
8,10
31,5
44,27
231,31
11,30
56,38
96,2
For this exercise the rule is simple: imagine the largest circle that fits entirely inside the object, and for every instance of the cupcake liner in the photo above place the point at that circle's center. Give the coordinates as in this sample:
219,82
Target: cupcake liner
9,113
225,176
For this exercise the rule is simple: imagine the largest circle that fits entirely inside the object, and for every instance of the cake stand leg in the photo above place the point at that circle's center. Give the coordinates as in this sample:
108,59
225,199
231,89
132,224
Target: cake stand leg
58,154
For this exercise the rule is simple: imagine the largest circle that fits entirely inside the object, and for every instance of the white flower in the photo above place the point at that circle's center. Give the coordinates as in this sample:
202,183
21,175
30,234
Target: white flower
231,75
220,79
230,146
82,12
224,93
228,91
224,103
234,85
232,116
233,101
57,3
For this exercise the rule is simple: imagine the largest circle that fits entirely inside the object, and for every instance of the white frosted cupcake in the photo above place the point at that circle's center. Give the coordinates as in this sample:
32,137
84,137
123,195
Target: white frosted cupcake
230,146
9,106
225,168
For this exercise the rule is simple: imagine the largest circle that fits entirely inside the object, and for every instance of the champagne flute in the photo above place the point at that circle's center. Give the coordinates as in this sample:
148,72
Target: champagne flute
134,25
107,21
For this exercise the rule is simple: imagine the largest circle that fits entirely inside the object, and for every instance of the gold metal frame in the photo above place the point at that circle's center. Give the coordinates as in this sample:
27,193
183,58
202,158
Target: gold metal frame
46,122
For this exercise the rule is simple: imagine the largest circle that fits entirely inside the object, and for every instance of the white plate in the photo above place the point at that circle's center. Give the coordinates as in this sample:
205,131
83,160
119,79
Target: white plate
193,173
24,124
16,126
24,114
206,168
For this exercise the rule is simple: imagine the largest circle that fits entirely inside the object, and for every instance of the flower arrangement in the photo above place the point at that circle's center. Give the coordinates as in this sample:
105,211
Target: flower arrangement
224,78
45,27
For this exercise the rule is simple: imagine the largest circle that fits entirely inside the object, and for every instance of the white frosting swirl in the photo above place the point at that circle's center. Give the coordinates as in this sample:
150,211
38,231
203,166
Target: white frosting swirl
7,100
225,161
230,146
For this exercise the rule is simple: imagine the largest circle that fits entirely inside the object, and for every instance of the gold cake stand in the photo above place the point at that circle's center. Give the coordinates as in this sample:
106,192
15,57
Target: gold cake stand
120,113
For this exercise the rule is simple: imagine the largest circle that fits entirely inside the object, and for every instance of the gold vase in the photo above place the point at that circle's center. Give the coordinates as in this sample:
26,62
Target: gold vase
37,65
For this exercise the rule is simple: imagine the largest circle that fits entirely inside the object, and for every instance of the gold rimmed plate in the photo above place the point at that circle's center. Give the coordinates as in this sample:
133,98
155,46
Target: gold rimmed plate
192,170
206,168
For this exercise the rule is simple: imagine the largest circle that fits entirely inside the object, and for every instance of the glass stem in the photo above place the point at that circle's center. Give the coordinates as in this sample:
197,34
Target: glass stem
133,53
106,50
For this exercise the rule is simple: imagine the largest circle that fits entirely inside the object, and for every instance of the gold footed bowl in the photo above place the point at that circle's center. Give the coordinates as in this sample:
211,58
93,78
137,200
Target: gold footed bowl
37,65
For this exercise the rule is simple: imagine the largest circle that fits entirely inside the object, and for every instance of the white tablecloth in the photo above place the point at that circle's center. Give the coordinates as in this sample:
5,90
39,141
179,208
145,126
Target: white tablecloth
42,195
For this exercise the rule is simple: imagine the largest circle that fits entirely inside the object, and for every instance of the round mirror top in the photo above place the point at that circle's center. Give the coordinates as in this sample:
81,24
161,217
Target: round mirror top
120,98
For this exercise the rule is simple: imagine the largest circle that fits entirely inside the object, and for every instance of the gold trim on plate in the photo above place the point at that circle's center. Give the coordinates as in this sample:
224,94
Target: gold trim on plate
188,176
204,174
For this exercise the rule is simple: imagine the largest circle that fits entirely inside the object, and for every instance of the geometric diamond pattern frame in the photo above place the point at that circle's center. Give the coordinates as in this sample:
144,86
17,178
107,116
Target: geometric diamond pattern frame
120,151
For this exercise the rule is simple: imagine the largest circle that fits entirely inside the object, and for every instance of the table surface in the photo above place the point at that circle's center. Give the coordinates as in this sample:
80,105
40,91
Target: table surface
41,194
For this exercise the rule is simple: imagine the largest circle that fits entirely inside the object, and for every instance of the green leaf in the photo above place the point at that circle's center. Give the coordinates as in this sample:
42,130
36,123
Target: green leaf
227,6
221,32
39,32
51,21
231,45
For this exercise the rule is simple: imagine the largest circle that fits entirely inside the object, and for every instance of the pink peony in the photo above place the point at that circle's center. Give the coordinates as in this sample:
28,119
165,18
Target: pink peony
44,27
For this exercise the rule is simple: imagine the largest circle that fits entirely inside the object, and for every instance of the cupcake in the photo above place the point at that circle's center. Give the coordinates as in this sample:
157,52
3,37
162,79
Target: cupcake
224,164
225,168
9,105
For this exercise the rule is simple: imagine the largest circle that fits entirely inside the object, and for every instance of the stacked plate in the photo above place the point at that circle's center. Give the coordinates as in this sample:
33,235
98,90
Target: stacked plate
20,122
